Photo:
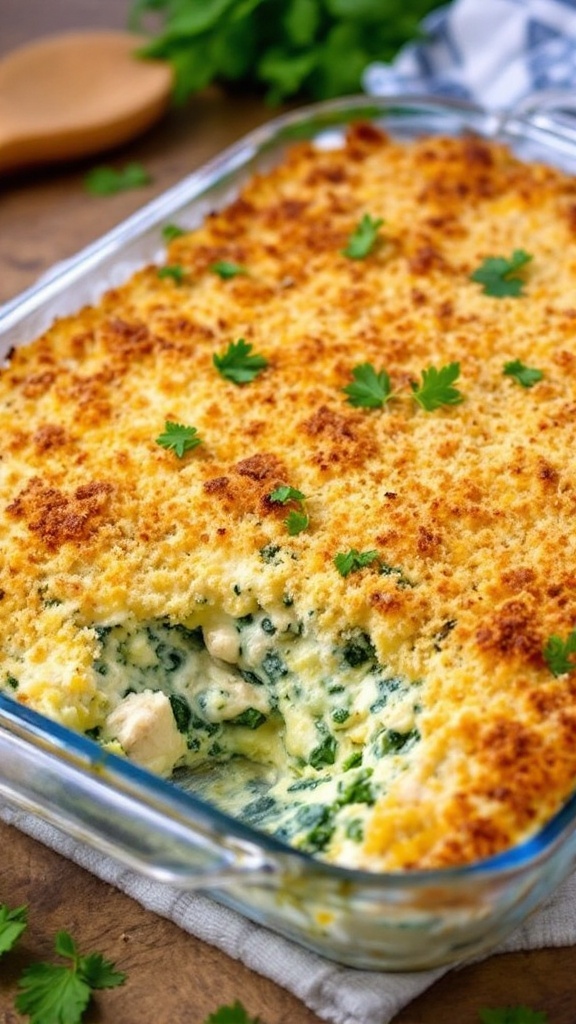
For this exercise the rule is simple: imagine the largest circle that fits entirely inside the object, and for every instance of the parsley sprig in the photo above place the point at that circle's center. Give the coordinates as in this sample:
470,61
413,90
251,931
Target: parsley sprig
12,924
227,269
436,388
106,181
297,519
234,1014
363,238
312,49
179,438
527,376
172,231
501,277
353,560
559,654
174,271
370,389
59,993
238,364
512,1015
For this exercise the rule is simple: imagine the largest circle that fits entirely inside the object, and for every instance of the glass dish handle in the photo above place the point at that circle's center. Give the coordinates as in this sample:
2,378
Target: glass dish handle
107,805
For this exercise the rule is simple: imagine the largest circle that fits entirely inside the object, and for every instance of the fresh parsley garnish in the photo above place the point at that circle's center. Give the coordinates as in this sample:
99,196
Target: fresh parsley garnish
58,993
226,269
370,390
436,387
558,654
353,560
234,1014
238,364
12,924
512,1015
500,277
172,231
173,270
363,238
285,493
527,376
106,181
179,438
297,520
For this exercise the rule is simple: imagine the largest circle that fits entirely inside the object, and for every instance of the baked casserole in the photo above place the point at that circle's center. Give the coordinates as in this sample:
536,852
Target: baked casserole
298,503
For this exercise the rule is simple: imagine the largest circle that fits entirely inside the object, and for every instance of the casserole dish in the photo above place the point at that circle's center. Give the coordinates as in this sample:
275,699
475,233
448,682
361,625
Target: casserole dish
397,921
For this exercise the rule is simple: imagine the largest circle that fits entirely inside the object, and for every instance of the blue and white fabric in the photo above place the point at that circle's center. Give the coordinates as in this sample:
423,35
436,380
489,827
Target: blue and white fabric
492,52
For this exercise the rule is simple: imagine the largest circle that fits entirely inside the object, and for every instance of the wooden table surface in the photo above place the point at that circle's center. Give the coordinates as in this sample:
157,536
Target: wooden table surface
173,978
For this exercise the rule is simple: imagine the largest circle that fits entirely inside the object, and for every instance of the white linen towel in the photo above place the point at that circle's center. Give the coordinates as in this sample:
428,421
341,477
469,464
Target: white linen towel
339,994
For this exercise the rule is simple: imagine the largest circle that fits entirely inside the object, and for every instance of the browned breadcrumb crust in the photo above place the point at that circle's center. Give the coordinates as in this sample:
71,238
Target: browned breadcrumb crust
474,502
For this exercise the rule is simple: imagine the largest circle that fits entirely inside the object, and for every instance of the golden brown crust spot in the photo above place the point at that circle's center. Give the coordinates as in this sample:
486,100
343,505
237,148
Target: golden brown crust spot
57,517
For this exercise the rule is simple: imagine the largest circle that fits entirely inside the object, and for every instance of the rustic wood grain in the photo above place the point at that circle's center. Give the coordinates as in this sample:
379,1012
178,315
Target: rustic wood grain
173,978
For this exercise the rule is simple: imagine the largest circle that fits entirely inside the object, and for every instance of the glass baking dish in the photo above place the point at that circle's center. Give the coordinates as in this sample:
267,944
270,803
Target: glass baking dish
391,921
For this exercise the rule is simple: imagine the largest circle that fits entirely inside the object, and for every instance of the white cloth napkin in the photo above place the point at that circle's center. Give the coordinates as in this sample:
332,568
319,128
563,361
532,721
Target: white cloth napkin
494,52
338,994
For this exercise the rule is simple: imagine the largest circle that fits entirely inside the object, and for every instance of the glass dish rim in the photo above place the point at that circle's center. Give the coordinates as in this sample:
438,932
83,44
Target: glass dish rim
280,129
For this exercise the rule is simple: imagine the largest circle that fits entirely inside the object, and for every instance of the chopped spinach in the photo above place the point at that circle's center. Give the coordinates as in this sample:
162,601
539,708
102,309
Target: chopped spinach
353,761
358,791
340,715
391,742
251,718
384,688
324,754
273,666
269,554
358,649
181,711
321,834
355,830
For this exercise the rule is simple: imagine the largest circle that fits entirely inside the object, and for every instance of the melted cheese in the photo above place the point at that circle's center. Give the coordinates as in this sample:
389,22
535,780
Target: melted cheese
400,716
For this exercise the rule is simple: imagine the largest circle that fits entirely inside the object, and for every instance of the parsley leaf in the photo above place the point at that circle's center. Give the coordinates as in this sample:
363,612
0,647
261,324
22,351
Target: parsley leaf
436,388
353,560
226,269
235,1014
363,238
179,438
59,994
527,376
296,522
513,1015
557,654
500,277
12,924
172,231
173,270
106,181
285,493
370,390
237,364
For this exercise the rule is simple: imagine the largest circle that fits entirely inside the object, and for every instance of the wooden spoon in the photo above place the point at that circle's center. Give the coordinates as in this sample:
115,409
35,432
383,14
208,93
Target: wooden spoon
74,94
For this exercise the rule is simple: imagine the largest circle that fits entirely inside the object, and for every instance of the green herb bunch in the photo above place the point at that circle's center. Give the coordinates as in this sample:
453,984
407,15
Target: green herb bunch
313,49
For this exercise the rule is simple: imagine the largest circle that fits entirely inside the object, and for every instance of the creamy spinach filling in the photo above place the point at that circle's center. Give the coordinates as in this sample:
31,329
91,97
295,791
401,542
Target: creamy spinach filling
316,729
